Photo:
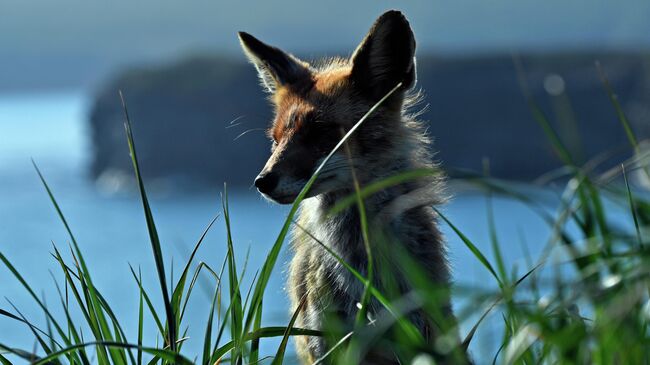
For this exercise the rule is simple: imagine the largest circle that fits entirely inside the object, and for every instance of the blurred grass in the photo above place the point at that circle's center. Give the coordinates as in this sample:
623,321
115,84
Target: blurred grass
596,313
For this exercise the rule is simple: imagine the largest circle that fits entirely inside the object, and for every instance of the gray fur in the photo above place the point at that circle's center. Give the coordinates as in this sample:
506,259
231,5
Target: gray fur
403,212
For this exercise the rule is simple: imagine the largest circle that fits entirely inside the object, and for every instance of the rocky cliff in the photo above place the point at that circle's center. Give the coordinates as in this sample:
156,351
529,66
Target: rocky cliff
202,119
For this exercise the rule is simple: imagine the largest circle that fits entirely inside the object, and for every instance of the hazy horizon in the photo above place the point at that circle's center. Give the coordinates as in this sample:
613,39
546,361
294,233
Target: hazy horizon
76,45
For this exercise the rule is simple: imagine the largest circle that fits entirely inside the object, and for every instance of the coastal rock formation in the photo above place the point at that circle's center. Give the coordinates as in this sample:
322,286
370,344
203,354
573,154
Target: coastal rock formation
203,119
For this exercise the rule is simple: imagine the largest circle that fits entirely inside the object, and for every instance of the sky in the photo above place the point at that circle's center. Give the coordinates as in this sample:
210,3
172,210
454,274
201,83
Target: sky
48,44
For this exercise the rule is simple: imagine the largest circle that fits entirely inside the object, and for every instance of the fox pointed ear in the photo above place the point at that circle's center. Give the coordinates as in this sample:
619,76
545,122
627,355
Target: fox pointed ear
275,67
385,57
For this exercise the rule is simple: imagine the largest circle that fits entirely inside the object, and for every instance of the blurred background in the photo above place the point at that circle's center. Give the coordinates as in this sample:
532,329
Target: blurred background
199,114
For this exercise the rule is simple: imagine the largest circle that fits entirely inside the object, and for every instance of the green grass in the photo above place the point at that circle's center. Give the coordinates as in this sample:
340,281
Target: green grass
599,314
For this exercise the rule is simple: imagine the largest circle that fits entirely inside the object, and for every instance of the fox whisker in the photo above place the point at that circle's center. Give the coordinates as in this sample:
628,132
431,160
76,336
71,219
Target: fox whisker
248,131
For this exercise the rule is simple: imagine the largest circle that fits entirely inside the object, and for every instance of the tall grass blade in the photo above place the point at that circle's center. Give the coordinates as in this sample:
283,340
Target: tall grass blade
201,265
264,332
236,310
4,360
470,334
48,325
147,300
365,297
69,283
279,356
31,357
334,347
93,306
167,355
477,253
89,315
255,344
617,107
140,318
180,286
37,336
539,116
632,208
24,283
494,239
37,332
207,341
153,233
377,186
99,324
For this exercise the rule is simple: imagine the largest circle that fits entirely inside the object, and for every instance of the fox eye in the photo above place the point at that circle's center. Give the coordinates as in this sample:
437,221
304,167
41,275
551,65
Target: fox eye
321,128
274,144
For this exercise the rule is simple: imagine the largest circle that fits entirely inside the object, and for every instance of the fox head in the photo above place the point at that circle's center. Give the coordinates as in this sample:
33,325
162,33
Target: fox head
315,104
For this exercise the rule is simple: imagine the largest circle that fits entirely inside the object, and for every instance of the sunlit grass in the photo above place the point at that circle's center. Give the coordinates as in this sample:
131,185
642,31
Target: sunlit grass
599,315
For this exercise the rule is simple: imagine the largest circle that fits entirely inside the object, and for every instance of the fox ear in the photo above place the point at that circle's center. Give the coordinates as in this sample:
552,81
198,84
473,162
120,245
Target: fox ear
275,67
385,57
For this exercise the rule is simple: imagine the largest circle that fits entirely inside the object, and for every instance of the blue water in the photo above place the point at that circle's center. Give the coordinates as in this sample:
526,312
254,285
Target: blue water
112,232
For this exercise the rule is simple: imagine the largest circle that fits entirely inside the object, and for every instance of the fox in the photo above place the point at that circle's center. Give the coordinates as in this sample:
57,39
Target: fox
315,104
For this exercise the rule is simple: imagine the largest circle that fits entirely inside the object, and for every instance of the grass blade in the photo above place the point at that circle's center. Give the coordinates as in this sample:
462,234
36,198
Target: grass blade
541,119
470,334
617,107
31,357
166,355
236,311
264,332
380,185
632,208
35,331
208,330
412,333
255,344
153,233
4,360
180,286
24,283
94,307
492,230
140,319
147,300
279,356
477,253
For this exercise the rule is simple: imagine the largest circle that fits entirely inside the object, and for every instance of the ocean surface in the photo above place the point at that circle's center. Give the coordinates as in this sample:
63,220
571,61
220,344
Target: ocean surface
111,230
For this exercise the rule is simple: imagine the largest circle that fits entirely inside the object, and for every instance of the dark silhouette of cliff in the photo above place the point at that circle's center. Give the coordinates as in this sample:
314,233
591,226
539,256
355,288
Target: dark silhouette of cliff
202,119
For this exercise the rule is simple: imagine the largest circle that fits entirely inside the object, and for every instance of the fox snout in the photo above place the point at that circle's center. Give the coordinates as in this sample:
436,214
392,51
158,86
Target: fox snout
281,179
266,182
278,188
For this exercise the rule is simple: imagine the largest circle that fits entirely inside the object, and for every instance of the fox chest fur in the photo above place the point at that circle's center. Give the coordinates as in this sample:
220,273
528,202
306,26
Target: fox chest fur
321,241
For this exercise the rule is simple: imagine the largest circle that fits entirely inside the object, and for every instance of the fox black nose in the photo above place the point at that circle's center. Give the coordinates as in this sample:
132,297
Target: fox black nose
266,183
